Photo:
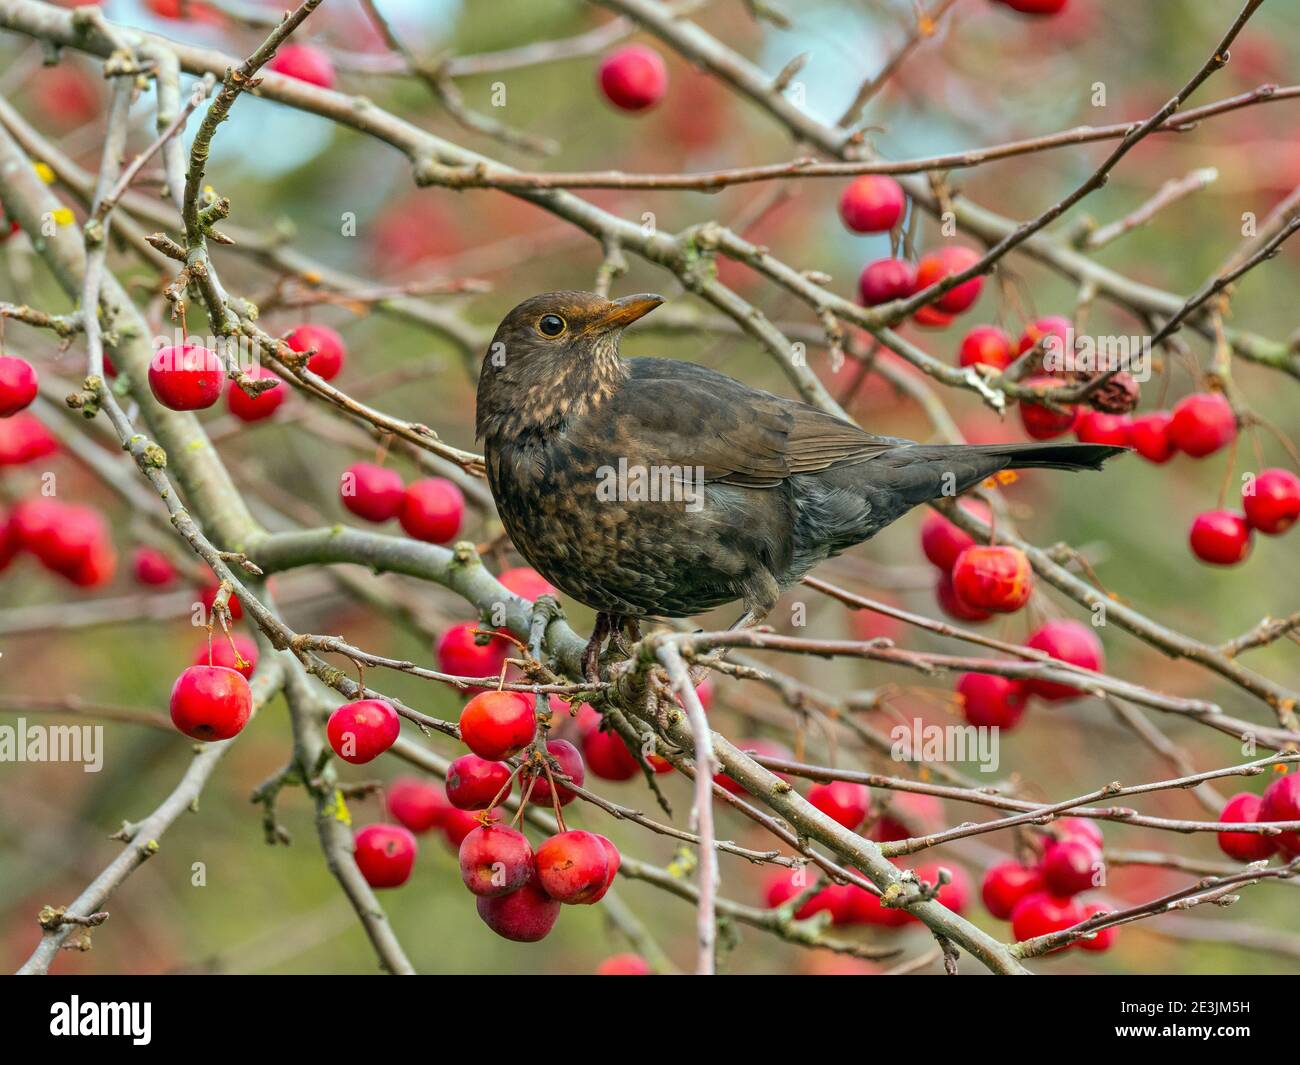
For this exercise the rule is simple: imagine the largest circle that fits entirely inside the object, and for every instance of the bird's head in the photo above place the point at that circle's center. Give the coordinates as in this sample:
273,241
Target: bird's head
554,357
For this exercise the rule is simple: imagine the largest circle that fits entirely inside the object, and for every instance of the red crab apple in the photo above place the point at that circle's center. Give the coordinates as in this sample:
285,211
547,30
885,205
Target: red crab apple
32,521
208,596
872,203
1053,325
1148,435
866,908
953,605
569,760
955,894
993,578
934,266
885,280
241,657
1077,828
170,9
1244,846
527,583
1102,941
24,439
838,900
150,566
211,702
495,860
187,377
1096,427
942,541
1220,537
304,62
373,493
633,78
613,859
1071,866
608,749
95,568
497,725
985,345
607,755
330,351
1005,884
361,731
909,814
930,317
385,855
9,545
1272,501
18,385
473,782
1281,802
432,510
1070,641
624,965
781,885
1202,423
1041,912
1039,420
417,804
991,701
572,867
524,916
256,408
459,652
842,801
65,96
457,824
1036,7
60,535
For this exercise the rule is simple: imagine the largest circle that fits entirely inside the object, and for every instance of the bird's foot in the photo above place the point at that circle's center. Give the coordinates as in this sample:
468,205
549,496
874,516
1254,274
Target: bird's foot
627,633
591,653
591,660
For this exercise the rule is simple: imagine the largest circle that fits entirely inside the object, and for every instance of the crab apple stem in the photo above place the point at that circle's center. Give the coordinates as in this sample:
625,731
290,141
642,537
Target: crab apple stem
555,797
505,788
523,801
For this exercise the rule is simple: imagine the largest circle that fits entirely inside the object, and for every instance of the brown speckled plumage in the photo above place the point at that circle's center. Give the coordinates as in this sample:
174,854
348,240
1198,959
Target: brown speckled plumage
784,484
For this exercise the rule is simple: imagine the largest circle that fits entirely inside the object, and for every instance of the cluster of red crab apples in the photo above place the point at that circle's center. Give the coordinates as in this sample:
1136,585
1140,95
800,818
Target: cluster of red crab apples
974,582
1199,425
519,890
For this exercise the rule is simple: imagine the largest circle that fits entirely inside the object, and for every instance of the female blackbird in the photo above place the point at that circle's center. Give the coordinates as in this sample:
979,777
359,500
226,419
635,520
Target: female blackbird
658,488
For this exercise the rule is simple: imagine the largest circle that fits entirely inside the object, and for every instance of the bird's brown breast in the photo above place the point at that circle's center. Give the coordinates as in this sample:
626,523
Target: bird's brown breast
587,520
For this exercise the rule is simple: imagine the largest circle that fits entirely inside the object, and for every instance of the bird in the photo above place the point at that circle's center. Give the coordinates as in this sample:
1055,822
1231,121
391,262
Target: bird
650,488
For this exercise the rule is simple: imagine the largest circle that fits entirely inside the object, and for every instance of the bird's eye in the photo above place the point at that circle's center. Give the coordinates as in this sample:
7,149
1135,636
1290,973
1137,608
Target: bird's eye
551,325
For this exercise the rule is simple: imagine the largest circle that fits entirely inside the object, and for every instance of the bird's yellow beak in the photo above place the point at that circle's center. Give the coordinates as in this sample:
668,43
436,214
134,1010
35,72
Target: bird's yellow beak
625,311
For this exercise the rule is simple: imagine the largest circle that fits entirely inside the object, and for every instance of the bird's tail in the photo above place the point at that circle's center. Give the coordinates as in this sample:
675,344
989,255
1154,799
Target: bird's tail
897,479
917,473
1050,456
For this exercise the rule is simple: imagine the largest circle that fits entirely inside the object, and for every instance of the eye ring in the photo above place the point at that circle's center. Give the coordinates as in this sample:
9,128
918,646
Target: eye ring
551,325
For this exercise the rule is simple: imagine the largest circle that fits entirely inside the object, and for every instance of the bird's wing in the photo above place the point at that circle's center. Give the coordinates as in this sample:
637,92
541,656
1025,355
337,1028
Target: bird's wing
680,414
